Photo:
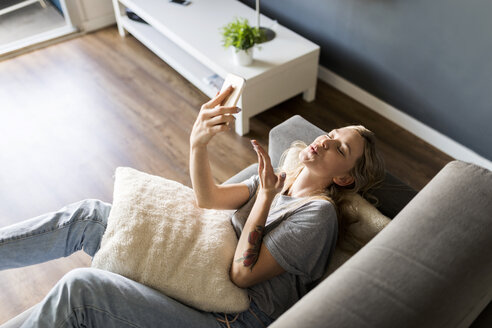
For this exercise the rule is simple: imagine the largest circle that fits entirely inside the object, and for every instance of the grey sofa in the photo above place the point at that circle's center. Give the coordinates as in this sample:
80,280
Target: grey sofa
430,267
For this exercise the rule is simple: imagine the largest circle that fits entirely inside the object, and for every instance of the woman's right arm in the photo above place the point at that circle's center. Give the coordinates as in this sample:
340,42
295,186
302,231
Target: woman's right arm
211,120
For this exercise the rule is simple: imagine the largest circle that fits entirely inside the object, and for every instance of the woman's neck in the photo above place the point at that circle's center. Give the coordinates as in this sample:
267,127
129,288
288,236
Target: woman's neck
306,184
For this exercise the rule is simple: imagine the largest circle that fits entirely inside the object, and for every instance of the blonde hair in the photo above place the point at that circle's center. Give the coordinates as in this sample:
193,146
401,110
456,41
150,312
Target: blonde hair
368,172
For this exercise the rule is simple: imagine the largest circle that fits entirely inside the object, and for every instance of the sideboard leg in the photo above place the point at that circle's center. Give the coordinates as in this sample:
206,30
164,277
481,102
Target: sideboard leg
309,94
242,124
119,12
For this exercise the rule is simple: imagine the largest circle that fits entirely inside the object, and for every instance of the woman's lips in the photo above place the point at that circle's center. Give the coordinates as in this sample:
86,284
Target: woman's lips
313,149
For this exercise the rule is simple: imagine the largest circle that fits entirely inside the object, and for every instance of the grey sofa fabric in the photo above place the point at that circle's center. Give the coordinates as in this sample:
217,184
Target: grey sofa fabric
244,174
295,128
484,320
430,267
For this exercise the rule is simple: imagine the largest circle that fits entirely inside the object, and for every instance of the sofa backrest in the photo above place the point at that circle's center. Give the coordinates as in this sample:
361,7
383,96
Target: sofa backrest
430,267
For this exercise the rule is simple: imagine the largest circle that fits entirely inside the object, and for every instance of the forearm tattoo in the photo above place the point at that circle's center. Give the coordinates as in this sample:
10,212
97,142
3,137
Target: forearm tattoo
250,256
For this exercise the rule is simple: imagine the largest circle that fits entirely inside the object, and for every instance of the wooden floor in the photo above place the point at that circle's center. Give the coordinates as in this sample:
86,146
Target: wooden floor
73,112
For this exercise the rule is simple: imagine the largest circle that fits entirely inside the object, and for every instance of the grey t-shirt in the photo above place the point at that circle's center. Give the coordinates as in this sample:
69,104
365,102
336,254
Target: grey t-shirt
301,241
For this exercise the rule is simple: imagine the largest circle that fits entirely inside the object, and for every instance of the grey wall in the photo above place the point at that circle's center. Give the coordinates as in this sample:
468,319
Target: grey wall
431,59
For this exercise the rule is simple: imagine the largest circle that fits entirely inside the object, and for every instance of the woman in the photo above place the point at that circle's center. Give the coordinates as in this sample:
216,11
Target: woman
286,224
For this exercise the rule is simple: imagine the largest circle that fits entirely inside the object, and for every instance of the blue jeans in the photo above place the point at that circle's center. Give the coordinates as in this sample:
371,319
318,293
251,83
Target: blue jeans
90,297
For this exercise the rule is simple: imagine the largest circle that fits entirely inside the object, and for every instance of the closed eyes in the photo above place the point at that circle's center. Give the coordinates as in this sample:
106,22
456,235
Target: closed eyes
338,148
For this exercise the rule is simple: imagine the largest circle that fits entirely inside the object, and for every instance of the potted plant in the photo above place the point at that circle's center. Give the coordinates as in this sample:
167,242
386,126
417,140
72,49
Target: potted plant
242,37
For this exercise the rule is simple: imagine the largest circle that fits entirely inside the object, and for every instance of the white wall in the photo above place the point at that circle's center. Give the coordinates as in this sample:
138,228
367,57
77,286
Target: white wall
90,15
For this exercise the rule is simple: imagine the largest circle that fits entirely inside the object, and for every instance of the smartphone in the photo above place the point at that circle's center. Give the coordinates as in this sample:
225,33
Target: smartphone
238,83
180,2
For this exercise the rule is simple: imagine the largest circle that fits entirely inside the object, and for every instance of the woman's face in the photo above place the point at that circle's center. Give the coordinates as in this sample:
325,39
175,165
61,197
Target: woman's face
333,155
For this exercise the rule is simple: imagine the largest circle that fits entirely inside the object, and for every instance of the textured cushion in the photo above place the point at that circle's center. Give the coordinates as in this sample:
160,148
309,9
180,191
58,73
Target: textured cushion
367,223
431,267
156,235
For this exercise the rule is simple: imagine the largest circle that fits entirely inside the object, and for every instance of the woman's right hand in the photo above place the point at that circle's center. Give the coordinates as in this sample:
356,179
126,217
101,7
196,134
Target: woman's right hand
270,183
212,119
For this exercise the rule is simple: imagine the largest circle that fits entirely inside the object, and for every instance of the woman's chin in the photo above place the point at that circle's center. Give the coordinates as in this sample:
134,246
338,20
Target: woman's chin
303,157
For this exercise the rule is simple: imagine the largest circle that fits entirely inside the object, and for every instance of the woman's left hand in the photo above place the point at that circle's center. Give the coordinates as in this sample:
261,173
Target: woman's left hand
270,183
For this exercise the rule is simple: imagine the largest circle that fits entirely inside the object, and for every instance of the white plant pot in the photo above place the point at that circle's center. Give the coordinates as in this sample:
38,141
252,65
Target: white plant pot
242,57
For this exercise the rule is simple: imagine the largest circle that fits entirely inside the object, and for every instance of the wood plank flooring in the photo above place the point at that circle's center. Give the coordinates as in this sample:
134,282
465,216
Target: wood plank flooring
73,112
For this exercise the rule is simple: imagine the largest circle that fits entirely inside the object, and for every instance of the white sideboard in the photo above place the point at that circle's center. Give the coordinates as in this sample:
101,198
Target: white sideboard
188,39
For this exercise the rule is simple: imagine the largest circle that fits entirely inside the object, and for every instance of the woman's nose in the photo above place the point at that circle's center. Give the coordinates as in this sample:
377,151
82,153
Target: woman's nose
327,142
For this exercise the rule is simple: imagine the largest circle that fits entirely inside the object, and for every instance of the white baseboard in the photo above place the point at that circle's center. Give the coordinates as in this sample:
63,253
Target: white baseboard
37,41
426,133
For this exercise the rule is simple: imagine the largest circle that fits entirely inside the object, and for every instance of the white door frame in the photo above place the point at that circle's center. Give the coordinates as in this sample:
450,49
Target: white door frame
42,39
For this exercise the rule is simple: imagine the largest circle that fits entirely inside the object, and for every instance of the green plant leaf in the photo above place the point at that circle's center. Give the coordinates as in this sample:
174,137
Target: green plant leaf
241,35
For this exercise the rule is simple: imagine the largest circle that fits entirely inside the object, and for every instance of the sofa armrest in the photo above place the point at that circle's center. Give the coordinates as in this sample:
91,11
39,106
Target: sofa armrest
430,267
243,175
295,128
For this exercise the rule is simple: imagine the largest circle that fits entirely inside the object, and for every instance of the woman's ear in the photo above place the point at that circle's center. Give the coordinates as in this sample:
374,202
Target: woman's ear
343,180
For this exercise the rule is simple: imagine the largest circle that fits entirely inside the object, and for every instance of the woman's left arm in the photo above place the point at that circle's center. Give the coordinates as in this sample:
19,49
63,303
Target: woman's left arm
253,263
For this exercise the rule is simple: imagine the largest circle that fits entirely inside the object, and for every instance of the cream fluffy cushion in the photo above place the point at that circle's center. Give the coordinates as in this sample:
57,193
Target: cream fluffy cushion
156,235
